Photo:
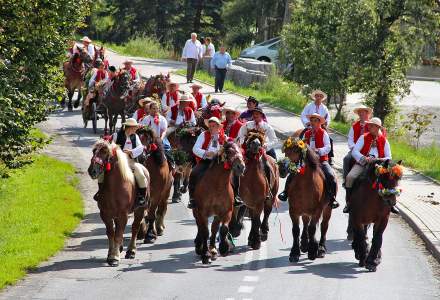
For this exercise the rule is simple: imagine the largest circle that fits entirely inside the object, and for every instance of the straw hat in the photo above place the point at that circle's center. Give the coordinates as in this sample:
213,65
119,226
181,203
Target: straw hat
317,116
185,98
86,39
213,119
127,61
228,108
130,123
318,92
145,101
362,107
195,85
172,83
375,121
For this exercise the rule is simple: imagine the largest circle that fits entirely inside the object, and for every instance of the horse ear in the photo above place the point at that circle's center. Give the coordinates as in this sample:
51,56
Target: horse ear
399,162
386,163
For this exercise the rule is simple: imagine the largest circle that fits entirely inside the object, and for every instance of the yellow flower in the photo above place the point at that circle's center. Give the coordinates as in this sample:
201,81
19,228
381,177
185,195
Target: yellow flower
301,144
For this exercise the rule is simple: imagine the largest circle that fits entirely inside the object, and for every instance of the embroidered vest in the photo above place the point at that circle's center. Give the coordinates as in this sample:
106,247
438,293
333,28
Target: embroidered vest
174,112
380,144
121,139
319,141
172,96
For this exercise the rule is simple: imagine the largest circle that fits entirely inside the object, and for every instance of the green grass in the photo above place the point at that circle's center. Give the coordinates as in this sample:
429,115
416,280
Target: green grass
287,95
39,207
142,47
275,91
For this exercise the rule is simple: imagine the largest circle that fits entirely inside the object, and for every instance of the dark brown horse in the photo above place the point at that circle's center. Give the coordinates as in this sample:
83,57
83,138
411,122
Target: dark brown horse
372,196
156,85
214,196
213,109
113,100
182,141
161,181
307,198
74,71
118,197
257,192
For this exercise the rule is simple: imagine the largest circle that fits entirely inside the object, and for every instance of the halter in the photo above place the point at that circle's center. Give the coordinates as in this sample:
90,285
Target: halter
104,164
227,163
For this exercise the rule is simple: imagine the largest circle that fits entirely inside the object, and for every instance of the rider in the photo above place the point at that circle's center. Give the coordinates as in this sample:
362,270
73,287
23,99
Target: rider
318,141
171,97
369,147
318,107
207,146
182,113
135,76
129,141
143,110
357,129
198,96
87,43
99,75
231,124
251,103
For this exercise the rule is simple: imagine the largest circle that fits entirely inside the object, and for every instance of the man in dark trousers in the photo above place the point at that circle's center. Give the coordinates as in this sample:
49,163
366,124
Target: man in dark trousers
220,61
191,53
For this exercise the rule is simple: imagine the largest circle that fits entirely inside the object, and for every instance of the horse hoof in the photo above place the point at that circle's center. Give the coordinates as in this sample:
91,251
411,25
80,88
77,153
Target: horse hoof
121,248
76,104
199,250
256,245
321,253
112,262
159,232
224,248
149,240
130,254
361,263
312,256
264,237
304,247
206,260
371,267
294,258
214,253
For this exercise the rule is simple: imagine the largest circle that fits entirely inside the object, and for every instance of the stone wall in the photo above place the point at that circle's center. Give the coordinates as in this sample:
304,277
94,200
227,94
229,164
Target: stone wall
244,71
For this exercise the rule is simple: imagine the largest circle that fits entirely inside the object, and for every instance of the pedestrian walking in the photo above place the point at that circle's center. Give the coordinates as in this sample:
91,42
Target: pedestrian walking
192,52
220,61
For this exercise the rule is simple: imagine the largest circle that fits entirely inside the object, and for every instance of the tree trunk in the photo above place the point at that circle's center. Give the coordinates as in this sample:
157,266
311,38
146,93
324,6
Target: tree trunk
198,7
287,12
340,101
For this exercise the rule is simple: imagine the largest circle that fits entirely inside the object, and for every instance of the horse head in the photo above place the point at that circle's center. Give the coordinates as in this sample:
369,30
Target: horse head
102,153
121,82
152,144
84,55
233,158
295,149
254,142
386,175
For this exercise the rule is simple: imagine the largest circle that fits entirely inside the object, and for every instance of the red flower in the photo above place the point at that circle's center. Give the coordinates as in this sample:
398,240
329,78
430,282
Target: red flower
226,165
156,120
380,186
302,170
153,147
108,166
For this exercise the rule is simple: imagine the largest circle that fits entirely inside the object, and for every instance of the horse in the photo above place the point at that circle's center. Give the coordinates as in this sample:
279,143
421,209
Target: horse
156,85
372,196
307,198
113,100
256,191
182,141
213,109
74,71
214,196
118,197
161,181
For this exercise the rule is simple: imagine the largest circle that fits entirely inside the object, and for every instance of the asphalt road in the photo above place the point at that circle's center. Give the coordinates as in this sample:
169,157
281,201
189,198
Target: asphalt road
170,269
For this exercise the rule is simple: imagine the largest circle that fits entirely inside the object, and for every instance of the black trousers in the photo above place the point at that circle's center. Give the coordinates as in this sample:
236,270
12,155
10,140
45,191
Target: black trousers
191,64
330,178
220,76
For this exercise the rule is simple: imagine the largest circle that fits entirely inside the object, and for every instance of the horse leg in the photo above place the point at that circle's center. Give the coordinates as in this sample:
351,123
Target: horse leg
265,224
160,216
254,235
70,96
204,235
110,231
349,229
327,213
120,224
295,252
374,256
359,244
312,252
177,195
224,245
304,246
78,99
115,121
138,216
198,242
236,224
214,229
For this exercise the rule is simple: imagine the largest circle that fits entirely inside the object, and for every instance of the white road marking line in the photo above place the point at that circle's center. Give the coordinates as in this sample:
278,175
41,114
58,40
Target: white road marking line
247,298
246,289
250,278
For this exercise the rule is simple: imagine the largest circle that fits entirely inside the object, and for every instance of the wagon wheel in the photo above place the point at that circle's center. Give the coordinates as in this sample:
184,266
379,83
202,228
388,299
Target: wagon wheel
94,117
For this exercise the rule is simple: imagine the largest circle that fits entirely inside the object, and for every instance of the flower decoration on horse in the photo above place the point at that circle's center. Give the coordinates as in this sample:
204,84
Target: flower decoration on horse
297,145
392,172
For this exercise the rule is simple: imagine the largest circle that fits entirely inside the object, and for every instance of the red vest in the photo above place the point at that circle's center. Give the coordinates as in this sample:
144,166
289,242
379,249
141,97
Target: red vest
319,141
221,140
174,111
100,75
235,128
133,73
357,130
380,144
198,98
140,114
173,95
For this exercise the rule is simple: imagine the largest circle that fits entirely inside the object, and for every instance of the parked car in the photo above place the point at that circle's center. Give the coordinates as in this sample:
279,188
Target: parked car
265,51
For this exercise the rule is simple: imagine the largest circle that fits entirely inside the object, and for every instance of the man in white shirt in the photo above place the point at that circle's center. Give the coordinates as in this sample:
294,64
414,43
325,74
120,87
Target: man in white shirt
171,97
87,43
192,52
371,146
182,113
317,107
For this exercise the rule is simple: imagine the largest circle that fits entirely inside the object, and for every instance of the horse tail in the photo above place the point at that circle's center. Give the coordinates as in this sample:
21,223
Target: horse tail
124,167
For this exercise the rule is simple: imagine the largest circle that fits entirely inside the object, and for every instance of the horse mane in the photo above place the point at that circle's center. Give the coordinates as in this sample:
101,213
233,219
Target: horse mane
124,167
158,155
255,134
311,159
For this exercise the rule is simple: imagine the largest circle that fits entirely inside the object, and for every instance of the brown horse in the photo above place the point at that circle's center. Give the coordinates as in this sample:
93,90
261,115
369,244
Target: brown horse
372,196
256,191
113,100
118,197
182,141
161,181
74,71
213,109
156,85
307,198
214,196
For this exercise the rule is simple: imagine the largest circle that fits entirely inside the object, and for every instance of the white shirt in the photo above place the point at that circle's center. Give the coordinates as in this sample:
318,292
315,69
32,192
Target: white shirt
93,78
91,50
271,138
128,146
327,146
163,102
214,145
357,155
158,128
192,49
311,108
135,115
208,50
181,118
351,142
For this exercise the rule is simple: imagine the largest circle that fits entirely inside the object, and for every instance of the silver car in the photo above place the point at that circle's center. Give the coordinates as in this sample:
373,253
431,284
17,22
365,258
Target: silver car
265,51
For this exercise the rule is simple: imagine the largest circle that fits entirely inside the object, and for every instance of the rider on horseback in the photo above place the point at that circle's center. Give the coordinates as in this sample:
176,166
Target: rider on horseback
231,124
90,48
370,146
251,103
129,141
135,76
319,141
207,146
143,110
171,97
182,113
99,76
199,97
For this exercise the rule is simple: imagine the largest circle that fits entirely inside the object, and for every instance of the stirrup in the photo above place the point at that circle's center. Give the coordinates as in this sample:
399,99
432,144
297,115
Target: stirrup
283,196
346,209
334,204
238,202
191,204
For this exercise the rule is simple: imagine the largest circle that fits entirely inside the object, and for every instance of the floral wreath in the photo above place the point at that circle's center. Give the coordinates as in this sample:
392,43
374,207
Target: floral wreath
395,171
294,143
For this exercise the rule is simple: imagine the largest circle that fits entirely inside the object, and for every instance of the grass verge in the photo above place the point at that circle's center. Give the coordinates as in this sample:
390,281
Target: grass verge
288,96
39,207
